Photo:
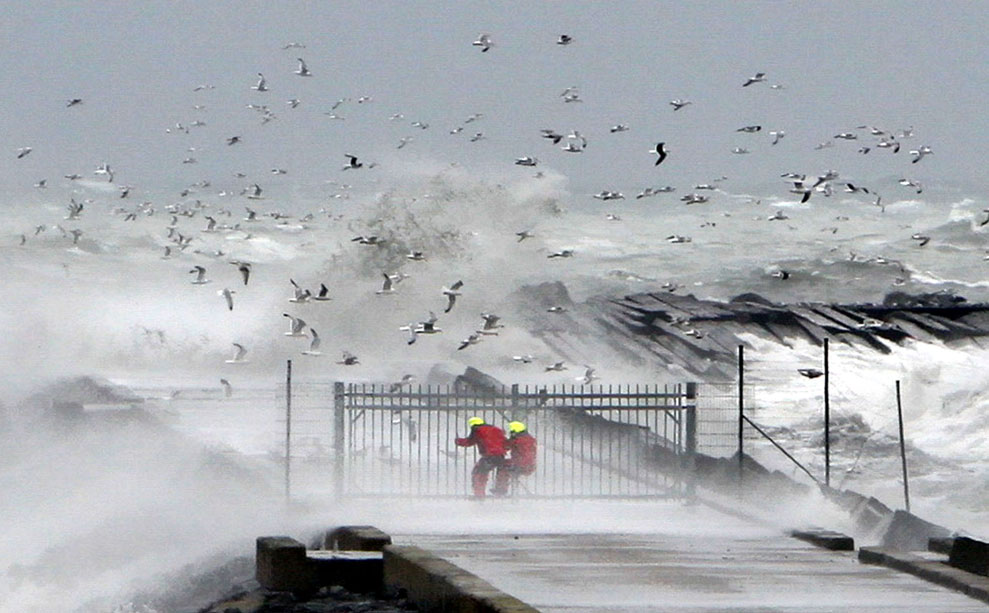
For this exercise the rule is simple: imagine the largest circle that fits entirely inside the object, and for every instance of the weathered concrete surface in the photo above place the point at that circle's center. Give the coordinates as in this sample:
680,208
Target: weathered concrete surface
434,584
826,539
685,559
356,538
933,569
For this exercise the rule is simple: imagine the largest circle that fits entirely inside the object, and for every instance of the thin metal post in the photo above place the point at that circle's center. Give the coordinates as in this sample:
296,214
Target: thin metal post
288,430
339,440
827,420
903,450
690,440
741,410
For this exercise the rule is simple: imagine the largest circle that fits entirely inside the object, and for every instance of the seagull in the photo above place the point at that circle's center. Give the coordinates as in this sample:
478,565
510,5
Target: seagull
484,42
846,136
588,376
920,153
777,135
405,140
678,104
777,216
798,188
525,359
303,70
911,183
556,366
23,152
749,129
104,169
297,326
472,339
618,128
227,388
565,39
556,309
228,295
451,294
678,238
398,385
324,293
552,135
299,295
352,164
921,239
200,275
415,256
313,345
293,46
348,359
609,195
233,140
660,151
387,287
889,144
294,102
244,268
852,189
73,102
526,161
740,150
782,275
524,234
491,324
810,373
562,253
239,355
262,85
757,78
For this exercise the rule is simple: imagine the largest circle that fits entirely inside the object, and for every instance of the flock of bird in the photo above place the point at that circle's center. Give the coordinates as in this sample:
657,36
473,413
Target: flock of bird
176,242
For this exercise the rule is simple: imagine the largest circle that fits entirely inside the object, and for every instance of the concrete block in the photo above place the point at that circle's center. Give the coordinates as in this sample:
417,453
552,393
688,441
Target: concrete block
940,544
828,539
280,564
870,513
434,584
970,555
357,571
356,538
907,532
872,555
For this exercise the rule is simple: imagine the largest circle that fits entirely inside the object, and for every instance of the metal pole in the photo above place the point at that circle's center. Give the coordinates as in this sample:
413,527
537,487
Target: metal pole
741,409
690,442
903,450
339,440
288,431
827,420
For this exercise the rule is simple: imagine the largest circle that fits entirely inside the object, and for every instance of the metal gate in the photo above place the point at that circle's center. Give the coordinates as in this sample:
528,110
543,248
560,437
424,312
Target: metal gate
593,440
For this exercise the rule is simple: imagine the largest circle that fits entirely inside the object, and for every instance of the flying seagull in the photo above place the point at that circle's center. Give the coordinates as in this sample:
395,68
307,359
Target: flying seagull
228,295
303,70
227,389
565,39
451,294
757,78
660,151
313,345
200,275
262,84
352,163
678,104
239,355
810,373
484,42
297,326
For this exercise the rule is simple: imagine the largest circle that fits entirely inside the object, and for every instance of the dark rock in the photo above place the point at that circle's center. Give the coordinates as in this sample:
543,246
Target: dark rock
970,555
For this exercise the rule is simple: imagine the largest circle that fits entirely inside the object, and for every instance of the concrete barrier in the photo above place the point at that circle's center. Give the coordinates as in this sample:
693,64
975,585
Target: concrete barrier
283,564
356,538
433,584
907,532
940,544
834,541
280,564
935,571
970,555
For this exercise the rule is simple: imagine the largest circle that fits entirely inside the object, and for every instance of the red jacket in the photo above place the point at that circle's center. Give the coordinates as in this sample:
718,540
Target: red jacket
489,439
523,448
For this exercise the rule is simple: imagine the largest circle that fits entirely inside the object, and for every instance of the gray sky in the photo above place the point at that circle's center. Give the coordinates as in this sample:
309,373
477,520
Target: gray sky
842,64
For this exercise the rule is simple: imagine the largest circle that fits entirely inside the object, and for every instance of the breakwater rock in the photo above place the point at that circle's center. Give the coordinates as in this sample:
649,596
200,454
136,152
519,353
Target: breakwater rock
700,337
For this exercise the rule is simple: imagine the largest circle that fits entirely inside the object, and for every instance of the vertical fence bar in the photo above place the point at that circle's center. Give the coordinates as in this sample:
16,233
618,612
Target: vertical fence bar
288,431
741,411
827,420
690,442
339,440
903,450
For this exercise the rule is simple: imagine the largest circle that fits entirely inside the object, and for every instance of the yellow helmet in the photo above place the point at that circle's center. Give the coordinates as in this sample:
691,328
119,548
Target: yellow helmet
516,426
474,421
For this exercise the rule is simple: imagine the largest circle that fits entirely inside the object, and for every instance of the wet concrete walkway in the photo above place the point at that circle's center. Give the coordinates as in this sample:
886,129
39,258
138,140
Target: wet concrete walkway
675,559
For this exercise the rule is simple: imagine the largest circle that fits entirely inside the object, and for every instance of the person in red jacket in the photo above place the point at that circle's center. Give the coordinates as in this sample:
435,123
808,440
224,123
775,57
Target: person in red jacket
522,461
490,441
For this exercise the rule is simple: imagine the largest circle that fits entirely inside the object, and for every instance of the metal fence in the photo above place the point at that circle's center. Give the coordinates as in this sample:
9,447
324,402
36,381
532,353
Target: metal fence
593,440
